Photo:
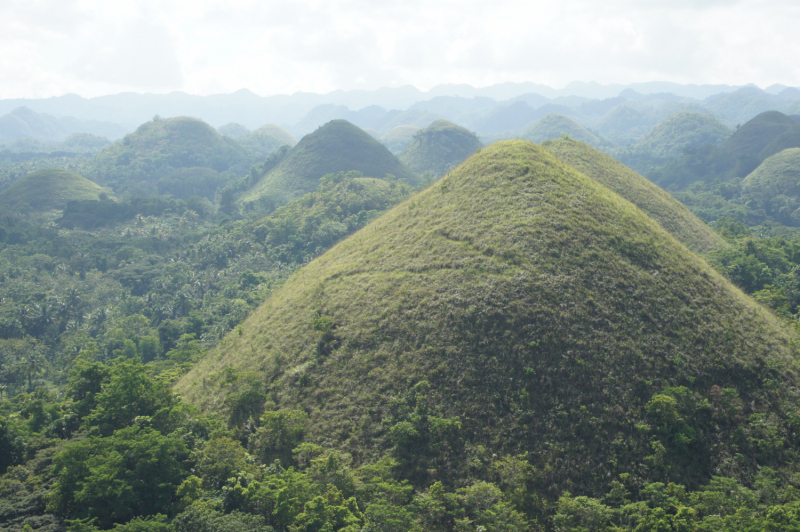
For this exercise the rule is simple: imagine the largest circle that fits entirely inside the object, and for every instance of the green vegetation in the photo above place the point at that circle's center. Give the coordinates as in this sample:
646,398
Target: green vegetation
518,308
158,148
748,147
774,187
397,138
659,205
554,126
266,140
687,128
338,146
47,190
439,148
187,182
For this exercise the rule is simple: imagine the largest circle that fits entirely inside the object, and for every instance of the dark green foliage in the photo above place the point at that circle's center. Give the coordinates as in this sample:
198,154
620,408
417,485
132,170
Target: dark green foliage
543,310
188,182
202,517
338,146
127,394
133,472
439,148
277,436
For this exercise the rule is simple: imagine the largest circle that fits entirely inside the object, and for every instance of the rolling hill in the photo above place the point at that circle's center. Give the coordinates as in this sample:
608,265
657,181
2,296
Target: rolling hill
687,128
553,126
338,146
232,129
50,189
161,146
397,138
439,148
775,186
655,202
266,140
764,135
519,307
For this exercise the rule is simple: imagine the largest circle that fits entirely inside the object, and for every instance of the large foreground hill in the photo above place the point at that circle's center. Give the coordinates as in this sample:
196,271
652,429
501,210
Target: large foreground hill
521,307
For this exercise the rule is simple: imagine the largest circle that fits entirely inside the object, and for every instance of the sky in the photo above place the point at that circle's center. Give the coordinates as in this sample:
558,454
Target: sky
97,47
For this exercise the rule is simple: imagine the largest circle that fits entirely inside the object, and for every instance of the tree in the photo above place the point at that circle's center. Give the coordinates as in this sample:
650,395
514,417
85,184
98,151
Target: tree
279,433
136,471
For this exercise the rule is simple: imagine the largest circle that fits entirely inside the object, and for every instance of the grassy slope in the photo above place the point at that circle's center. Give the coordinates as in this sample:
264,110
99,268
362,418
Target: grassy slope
553,126
758,133
158,147
691,128
49,189
397,138
658,204
439,148
338,146
544,311
778,175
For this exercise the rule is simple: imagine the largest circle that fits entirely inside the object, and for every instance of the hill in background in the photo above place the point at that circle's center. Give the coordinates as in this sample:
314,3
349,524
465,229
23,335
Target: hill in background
50,189
553,126
439,148
674,217
775,187
338,146
686,128
157,148
232,129
519,307
397,138
22,122
266,140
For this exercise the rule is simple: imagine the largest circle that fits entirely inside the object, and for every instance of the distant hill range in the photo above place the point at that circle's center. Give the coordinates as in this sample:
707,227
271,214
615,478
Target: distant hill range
622,113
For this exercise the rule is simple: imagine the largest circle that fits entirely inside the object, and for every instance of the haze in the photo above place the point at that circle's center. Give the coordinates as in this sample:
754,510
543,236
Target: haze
91,48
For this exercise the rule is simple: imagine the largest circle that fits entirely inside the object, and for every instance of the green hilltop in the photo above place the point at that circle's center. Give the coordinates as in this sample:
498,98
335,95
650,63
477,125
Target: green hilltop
397,138
655,202
232,129
519,307
49,189
687,128
338,146
554,125
439,148
775,186
266,140
159,147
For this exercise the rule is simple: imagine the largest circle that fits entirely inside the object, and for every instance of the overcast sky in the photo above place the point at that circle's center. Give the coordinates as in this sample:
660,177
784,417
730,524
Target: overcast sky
96,47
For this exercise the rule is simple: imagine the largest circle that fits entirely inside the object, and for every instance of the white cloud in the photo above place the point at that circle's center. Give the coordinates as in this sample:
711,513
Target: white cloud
204,46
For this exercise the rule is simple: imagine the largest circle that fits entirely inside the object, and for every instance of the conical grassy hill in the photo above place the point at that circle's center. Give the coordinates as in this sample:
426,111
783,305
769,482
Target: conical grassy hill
439,148
554,126
655,202
49,189
775,186
518,306
338,146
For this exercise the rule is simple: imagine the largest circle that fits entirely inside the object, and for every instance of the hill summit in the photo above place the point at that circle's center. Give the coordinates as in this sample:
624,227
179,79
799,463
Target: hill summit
338,146
554,126
159,147
518,307
439,148
49,189
775,186
679,130
655,202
